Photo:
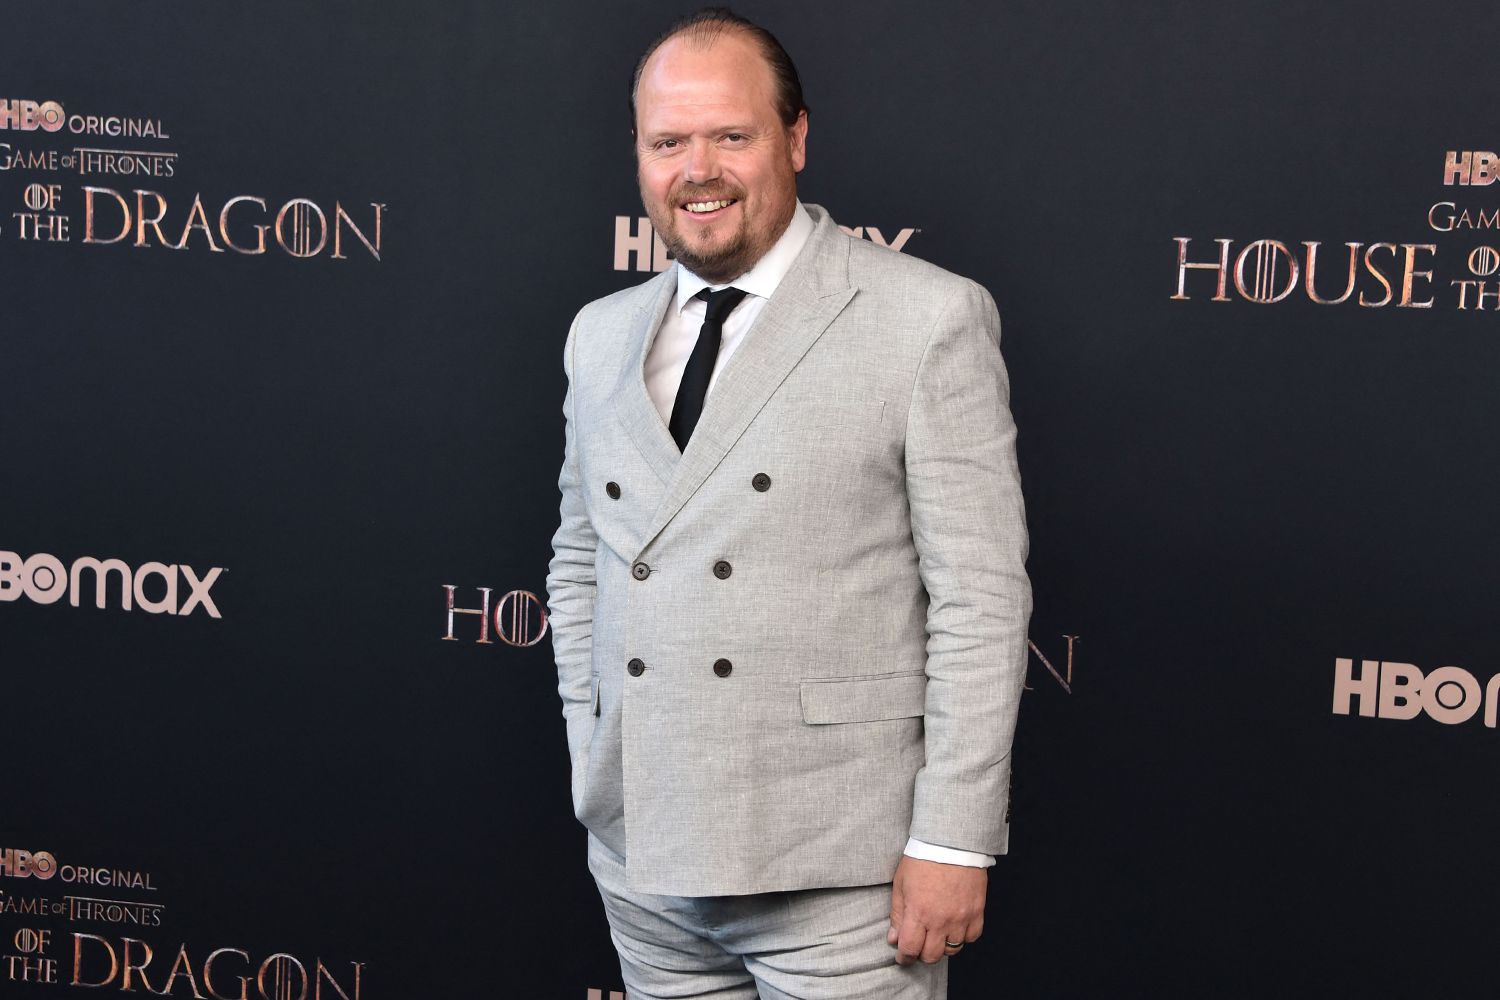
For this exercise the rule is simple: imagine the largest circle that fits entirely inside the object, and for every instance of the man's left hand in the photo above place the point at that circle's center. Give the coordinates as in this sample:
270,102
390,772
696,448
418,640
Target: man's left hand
932,903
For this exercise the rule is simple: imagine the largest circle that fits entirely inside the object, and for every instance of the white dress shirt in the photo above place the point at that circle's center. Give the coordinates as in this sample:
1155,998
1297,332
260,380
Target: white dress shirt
679,328
668,358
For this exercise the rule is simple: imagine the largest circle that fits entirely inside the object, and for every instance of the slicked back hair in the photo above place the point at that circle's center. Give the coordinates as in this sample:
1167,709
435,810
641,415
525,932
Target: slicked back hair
703,28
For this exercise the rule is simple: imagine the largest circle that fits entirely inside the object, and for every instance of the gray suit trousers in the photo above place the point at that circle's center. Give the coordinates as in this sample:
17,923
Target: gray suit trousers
805,944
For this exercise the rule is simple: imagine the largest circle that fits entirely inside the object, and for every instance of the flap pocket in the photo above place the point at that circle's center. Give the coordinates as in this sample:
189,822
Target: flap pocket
864,699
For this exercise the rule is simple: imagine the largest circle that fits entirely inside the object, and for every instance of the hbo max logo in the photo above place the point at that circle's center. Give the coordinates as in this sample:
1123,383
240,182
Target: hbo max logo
1387,690
44,579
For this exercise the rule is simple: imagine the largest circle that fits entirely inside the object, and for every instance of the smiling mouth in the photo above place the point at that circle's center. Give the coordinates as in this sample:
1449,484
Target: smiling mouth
702,207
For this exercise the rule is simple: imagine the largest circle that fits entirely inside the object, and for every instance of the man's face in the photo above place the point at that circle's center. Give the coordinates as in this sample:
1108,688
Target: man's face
718,169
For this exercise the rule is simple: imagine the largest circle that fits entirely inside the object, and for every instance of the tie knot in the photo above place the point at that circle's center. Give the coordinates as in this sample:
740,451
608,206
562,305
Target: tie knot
722,302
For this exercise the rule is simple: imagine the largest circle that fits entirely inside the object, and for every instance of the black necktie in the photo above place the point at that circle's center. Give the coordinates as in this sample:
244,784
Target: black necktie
700,367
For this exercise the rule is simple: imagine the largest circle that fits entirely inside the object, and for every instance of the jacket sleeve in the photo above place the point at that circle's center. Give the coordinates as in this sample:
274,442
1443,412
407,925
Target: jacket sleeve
968,525
570,577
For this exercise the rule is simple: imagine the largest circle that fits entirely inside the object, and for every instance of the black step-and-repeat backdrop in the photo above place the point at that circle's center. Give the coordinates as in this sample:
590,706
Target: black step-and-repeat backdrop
285,291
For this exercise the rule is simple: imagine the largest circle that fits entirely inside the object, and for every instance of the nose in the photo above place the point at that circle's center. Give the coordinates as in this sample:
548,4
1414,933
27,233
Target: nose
702,162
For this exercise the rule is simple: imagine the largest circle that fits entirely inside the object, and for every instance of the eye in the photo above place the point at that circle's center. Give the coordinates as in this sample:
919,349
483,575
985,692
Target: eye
666,144
736,137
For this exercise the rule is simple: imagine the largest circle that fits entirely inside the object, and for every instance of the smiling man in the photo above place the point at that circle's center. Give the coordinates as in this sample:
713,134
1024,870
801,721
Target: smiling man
720,198
788,596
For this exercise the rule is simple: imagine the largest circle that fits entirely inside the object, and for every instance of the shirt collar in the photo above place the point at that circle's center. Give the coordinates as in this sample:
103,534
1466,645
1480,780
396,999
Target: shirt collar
767,273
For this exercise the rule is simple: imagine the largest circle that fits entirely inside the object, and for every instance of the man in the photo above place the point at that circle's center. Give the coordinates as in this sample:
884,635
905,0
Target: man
788,599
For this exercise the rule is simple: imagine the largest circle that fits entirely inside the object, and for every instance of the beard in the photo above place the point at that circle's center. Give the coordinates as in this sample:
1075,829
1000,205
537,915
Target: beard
719,263
715,266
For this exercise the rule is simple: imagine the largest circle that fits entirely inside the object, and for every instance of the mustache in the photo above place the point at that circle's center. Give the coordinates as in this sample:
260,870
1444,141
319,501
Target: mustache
708,192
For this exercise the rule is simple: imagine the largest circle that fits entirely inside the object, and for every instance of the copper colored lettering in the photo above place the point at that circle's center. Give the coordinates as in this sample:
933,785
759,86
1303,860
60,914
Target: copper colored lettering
114,964
1221,266
1456,168
1370,266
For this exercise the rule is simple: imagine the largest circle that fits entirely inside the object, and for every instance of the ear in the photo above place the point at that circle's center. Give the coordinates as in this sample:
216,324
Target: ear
797,136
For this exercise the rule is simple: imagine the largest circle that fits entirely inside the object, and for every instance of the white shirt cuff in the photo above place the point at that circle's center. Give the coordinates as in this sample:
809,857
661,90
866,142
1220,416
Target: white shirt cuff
947,855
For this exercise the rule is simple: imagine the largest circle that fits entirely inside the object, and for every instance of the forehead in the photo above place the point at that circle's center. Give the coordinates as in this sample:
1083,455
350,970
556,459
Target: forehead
685,78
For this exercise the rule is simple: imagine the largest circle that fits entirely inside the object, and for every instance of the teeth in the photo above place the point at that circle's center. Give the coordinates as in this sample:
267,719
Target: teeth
707,206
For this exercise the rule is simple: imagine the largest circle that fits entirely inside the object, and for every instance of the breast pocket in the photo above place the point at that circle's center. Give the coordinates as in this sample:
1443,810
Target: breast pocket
840,413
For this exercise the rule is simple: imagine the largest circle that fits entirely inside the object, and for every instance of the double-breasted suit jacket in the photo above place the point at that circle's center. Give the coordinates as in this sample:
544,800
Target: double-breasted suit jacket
802,640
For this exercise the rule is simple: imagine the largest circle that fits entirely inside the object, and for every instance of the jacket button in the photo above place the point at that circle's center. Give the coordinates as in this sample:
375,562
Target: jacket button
722,569
722,667
613,489
636,667
761,482
640,571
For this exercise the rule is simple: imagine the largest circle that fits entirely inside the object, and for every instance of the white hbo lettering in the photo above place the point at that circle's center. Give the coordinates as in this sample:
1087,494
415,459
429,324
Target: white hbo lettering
643,244
876,236
43,579
1387,690
638,248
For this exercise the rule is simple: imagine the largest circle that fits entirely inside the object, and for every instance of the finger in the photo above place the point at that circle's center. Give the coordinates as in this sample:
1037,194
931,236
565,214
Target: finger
953,949
933,947
976,928
912,940
898,910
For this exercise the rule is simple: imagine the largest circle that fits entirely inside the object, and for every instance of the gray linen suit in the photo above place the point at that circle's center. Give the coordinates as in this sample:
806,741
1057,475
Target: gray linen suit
854,677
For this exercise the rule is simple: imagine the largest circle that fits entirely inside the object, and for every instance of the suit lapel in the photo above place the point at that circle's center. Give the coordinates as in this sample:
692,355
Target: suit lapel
812,294
632,403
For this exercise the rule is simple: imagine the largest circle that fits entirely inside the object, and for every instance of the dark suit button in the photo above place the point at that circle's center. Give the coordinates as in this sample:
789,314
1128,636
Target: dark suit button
722,667
722,569
640,571
636,667
613,489
761,482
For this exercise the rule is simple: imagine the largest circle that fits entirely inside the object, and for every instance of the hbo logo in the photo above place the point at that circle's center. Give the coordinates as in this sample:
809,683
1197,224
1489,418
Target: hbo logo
24,864
1401,691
